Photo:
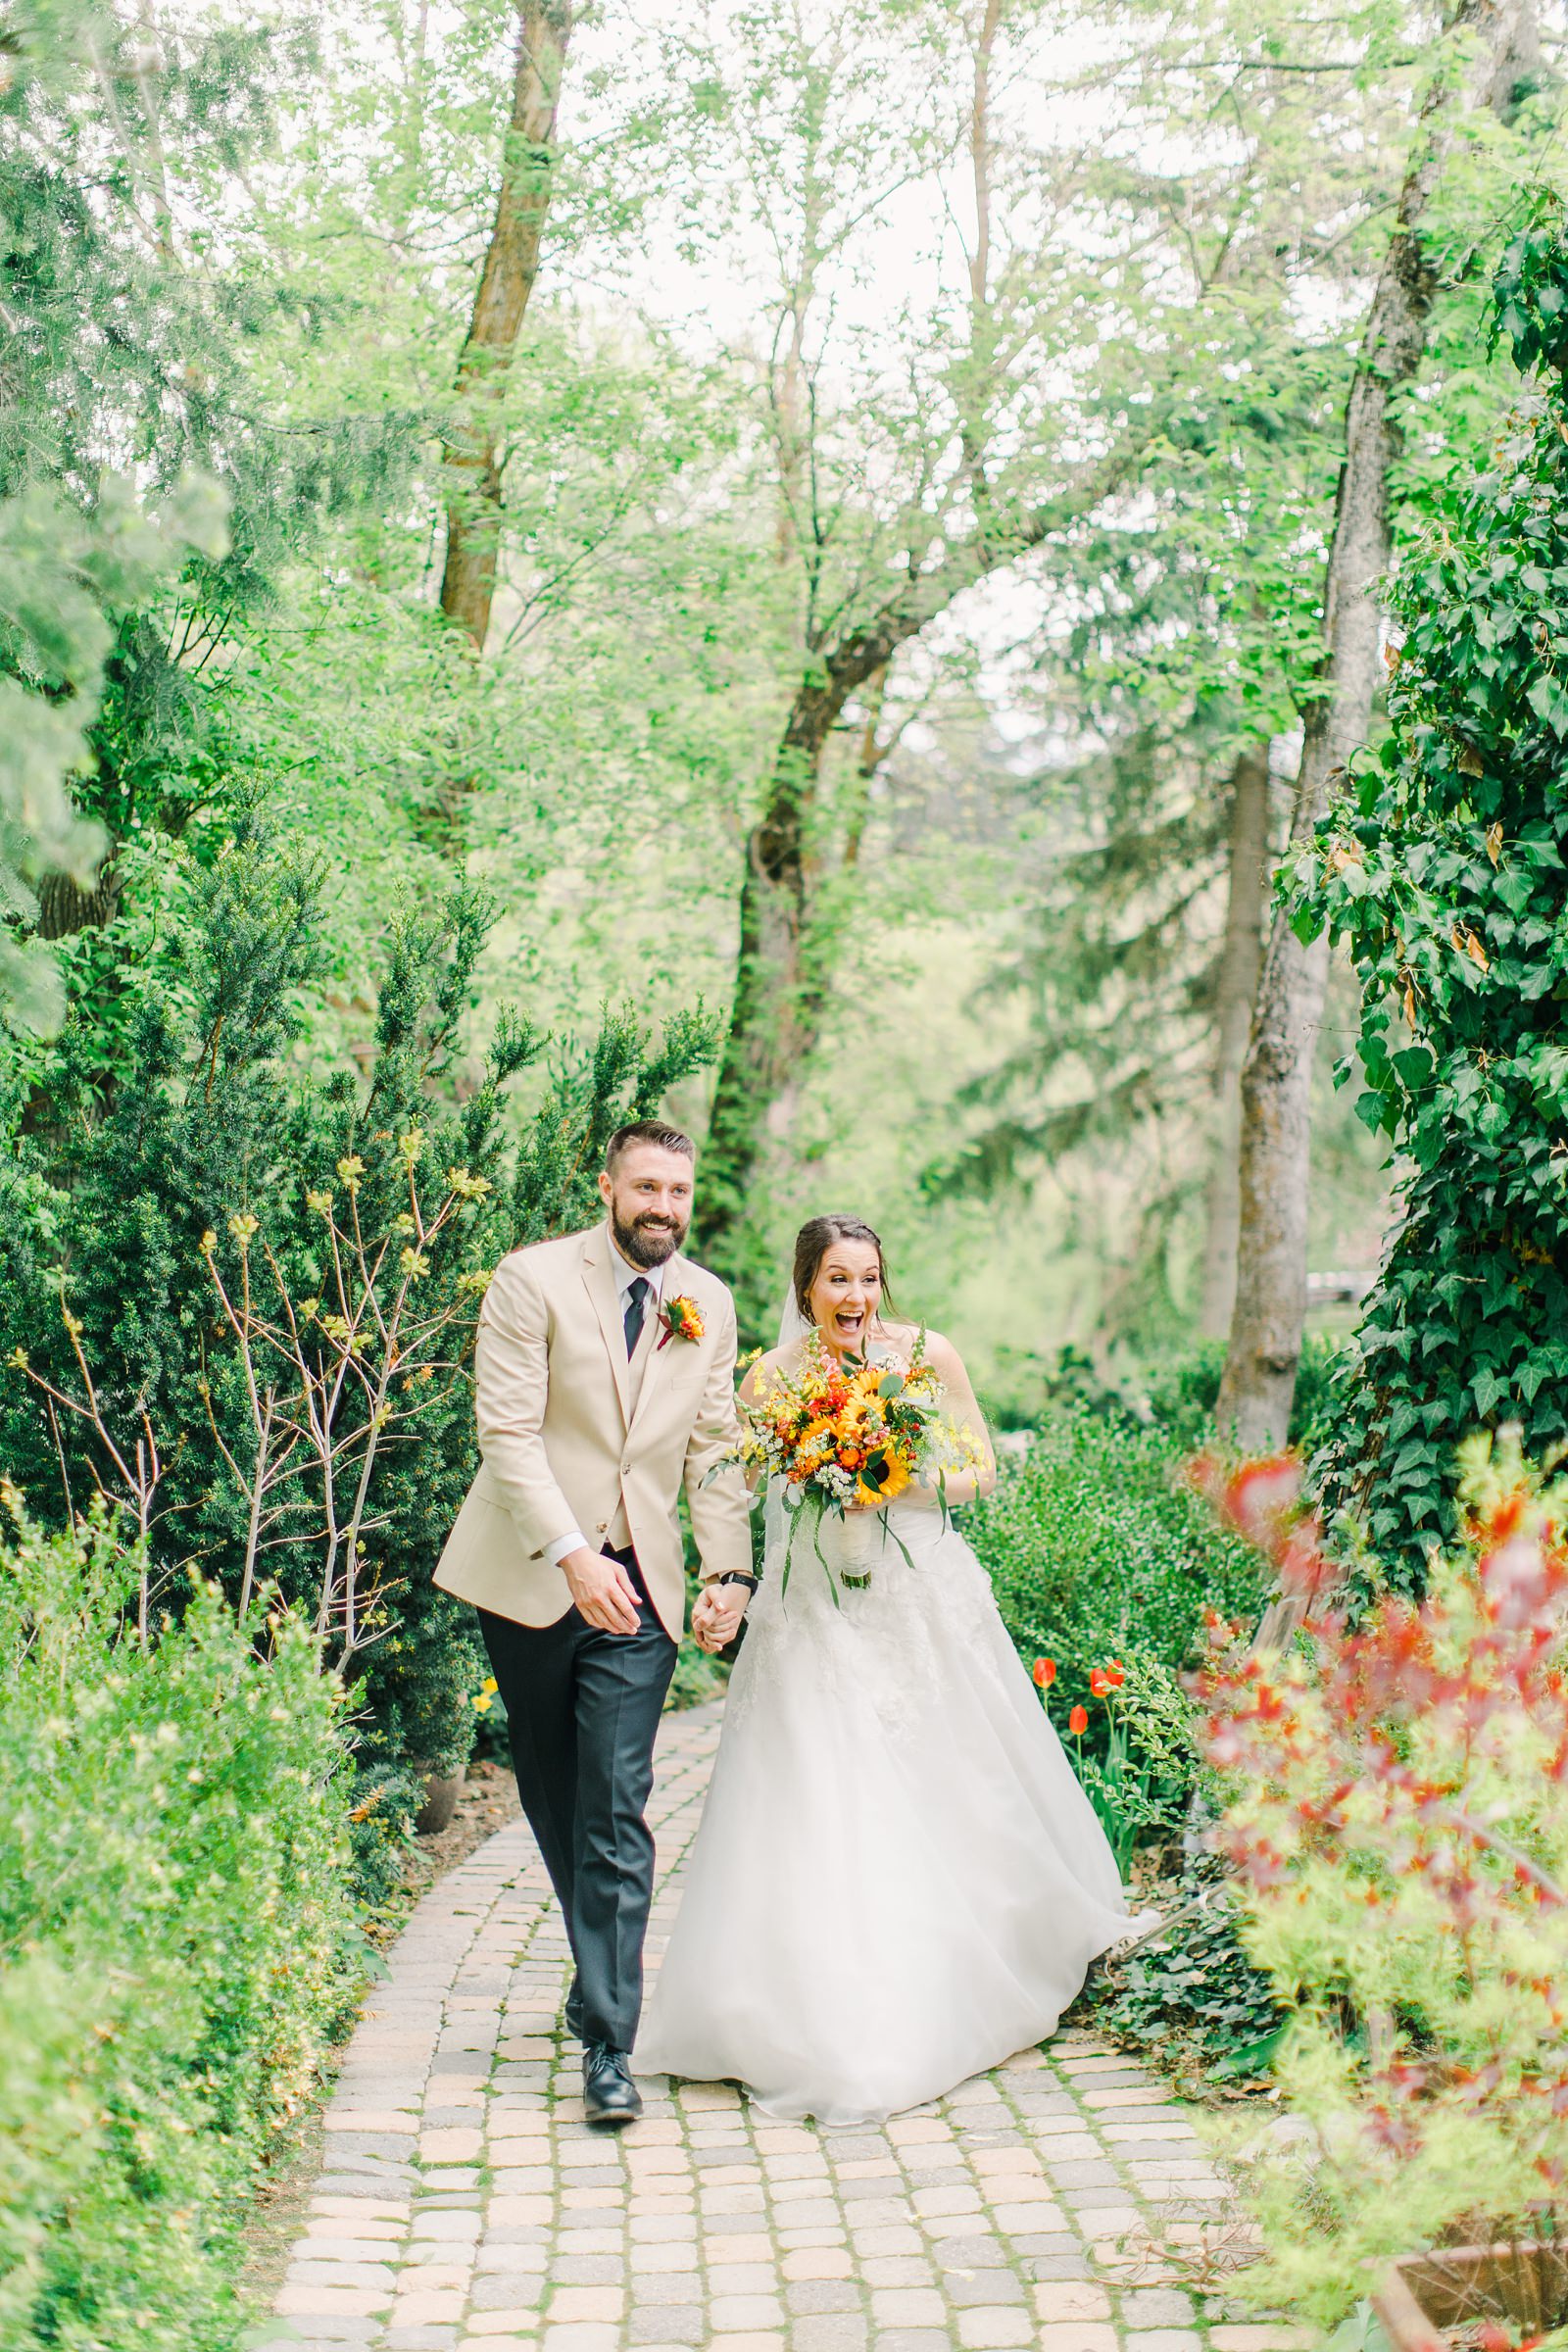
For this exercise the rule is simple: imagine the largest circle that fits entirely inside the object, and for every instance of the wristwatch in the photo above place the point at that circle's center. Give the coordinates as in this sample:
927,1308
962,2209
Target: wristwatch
736,1576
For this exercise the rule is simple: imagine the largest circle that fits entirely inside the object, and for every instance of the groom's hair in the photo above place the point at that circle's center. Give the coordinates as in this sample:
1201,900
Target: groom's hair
647,1131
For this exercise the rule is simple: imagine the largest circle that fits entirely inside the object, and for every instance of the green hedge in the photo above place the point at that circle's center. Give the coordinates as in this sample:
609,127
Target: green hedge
1096,1549
177,1941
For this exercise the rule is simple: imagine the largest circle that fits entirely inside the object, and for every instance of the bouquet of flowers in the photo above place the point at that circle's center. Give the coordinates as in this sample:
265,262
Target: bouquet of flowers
834,1438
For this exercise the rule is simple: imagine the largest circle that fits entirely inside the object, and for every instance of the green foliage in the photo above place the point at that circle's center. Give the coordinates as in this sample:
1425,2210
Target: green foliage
1139,1781
1095,1550
64,575
1396,1820
124,1214
1192,1998
1441,868
1180,1392
177,1943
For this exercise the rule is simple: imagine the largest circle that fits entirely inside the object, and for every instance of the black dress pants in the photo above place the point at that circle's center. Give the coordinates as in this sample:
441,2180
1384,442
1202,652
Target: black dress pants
583,1709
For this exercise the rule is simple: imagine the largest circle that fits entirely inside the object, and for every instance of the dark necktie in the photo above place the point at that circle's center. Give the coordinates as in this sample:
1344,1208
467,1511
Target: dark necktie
636,1302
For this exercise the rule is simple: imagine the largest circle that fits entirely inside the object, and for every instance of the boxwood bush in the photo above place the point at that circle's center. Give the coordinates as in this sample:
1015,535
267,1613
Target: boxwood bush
1095,1548
177,1939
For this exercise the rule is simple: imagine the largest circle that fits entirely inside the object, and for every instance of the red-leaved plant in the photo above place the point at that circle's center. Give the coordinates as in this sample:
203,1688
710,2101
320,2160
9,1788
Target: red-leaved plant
1396,1815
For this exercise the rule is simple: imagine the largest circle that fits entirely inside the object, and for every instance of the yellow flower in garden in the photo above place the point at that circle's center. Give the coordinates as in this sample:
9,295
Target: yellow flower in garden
320,1202
414,1263
350,1170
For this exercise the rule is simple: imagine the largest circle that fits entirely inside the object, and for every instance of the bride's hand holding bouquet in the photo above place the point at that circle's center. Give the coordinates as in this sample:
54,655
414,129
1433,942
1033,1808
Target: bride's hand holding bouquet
836,1435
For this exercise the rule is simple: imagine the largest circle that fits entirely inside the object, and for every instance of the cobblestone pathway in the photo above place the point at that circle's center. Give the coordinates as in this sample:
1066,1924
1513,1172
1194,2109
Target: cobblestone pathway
463,2205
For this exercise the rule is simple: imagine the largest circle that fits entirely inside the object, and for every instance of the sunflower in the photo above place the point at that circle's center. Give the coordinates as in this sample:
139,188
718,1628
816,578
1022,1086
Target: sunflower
883,1477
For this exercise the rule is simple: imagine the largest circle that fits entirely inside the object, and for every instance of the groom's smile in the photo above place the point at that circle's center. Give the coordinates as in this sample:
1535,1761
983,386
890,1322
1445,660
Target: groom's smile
648,1196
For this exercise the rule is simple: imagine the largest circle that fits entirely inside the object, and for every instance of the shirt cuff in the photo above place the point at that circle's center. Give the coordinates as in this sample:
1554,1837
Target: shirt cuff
556,1552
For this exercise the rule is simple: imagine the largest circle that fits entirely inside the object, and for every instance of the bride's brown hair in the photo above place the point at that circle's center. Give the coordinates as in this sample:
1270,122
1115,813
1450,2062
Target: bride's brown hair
813,1242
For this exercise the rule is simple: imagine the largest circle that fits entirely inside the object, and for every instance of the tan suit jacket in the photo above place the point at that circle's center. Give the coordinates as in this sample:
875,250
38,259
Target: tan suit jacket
571,1436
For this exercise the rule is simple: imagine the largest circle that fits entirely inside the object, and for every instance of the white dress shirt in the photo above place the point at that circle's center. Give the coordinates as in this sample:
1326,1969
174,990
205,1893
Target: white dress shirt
625,1275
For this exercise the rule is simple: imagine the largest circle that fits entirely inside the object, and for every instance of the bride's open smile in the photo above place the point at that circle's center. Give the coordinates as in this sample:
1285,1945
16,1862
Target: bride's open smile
845,1296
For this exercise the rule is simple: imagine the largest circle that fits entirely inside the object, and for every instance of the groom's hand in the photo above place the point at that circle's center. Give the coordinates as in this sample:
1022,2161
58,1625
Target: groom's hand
715,1617
605,1595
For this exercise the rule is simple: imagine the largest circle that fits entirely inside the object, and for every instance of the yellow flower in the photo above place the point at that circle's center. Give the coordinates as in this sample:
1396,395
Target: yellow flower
895,1478
414,1263
209,1242
350,1170
242,1227
466,1187
410,1145
320,1202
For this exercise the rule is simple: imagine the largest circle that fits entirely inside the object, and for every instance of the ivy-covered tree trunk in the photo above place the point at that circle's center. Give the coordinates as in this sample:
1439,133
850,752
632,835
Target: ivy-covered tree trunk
473,460
1245,901
1270,1310
1444,870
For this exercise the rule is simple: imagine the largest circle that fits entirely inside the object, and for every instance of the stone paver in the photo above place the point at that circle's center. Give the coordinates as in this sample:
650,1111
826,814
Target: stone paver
464,2206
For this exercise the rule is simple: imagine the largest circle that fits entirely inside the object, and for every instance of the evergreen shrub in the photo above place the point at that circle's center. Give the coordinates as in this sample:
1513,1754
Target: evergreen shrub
178,1938
212,1166
1096,1550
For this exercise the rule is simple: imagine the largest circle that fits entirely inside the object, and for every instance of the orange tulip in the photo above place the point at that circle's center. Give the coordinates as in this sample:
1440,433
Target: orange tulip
1078,1722
1044,1673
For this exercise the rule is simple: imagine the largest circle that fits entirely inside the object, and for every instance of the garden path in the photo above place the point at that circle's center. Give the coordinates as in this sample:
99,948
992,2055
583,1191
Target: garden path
1061,2202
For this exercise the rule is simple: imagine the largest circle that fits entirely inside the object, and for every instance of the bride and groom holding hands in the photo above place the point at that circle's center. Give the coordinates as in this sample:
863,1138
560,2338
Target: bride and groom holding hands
897,1882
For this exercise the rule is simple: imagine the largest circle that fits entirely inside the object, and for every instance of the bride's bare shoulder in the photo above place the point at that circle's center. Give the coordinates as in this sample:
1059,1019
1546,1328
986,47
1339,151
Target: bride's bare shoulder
940,1350
775,1359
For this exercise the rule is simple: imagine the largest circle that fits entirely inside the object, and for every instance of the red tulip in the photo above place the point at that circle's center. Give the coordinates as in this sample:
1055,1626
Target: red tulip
1044,1673
1105,1678
1078,1722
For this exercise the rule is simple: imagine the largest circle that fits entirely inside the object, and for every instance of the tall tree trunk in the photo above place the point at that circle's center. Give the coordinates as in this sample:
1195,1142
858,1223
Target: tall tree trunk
773,1020
1267,1326
1241,960
472,464
775,1016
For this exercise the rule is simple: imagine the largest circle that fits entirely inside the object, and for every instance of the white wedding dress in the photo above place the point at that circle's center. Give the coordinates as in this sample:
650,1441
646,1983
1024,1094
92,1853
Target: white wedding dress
897,1882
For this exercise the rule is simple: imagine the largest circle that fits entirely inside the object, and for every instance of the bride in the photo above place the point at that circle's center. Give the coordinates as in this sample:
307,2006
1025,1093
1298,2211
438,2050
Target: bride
897,1882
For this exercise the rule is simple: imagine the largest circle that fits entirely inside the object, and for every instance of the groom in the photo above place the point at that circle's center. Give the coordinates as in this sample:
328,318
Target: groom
604,1381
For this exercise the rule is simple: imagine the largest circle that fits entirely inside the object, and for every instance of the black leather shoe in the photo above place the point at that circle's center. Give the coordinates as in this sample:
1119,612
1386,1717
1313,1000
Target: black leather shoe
609,2093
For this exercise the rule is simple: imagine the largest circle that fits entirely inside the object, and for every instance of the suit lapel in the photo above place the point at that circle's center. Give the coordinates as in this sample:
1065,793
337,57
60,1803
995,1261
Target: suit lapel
599,1276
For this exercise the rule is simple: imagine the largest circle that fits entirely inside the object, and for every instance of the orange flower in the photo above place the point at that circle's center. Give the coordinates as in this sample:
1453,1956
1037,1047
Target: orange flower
1044,1673
1078,1722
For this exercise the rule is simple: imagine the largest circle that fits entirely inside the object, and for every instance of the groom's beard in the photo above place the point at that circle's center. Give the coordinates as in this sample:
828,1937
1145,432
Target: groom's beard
647,1241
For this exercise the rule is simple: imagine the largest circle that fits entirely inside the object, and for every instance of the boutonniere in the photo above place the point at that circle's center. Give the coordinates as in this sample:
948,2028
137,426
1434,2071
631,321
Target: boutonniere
679,1320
